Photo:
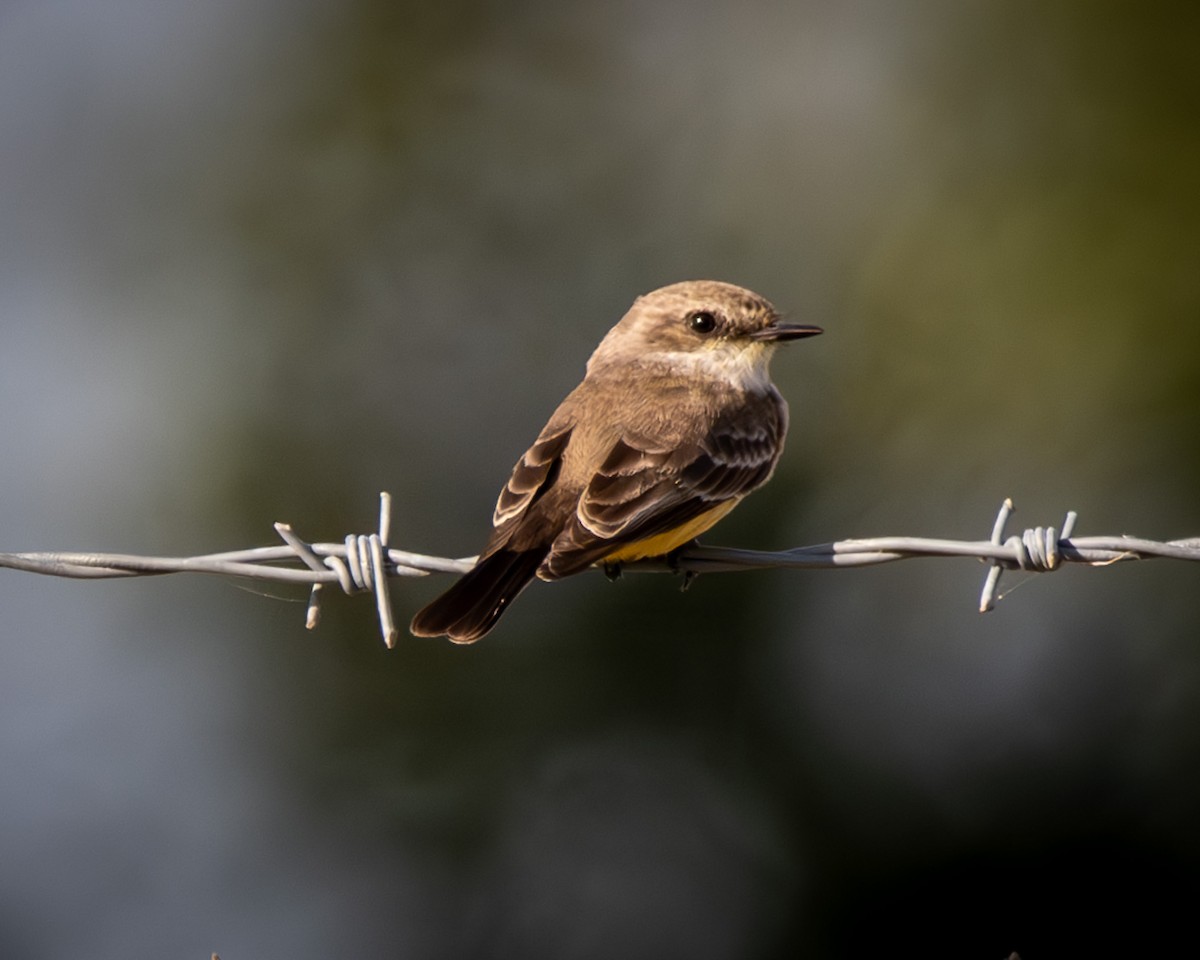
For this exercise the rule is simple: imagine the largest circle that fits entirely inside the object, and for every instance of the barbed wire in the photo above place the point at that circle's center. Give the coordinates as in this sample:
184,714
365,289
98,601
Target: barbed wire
364,563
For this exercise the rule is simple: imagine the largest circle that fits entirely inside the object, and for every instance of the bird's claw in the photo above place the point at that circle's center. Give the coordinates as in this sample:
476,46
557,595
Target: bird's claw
673,563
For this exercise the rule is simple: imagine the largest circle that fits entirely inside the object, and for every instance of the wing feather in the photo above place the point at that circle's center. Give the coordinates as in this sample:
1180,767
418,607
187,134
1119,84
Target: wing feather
640,491
533,475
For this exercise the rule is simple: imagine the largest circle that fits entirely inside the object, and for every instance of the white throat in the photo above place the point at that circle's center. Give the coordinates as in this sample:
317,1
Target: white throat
745,368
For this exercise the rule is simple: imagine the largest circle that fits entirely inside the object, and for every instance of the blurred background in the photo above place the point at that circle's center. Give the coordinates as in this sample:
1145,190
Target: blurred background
260,261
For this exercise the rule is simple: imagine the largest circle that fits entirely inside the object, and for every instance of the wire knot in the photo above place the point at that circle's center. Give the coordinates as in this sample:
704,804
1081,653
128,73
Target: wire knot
1035,551
363,569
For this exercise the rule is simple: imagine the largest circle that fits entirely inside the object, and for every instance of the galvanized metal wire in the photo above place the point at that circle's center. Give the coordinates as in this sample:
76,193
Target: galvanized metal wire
364,563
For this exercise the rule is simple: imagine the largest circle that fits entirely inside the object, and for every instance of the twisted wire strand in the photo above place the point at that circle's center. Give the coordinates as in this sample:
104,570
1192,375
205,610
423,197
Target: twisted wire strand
364,563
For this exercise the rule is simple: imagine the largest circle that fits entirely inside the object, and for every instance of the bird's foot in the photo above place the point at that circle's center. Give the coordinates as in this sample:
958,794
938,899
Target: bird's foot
673,563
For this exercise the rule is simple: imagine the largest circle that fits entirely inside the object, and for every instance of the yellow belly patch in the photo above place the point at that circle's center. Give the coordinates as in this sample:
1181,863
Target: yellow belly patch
662,543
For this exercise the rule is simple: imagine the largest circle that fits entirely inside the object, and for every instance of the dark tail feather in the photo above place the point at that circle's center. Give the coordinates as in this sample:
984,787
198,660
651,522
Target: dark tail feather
471,607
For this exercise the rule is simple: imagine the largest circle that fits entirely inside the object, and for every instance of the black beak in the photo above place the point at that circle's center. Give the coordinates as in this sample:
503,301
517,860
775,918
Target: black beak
778,332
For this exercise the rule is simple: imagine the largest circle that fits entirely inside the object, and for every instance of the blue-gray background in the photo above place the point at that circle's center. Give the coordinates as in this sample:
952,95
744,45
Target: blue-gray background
259,261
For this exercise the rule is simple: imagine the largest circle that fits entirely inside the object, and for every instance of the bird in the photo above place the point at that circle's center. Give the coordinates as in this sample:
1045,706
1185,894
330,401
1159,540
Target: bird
675,422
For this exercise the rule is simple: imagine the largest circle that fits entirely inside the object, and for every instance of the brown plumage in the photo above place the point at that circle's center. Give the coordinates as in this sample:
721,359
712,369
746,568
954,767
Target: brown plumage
675,422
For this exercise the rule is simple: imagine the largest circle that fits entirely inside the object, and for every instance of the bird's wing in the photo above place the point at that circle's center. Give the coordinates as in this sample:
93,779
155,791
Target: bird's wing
475,602
533,475
641,490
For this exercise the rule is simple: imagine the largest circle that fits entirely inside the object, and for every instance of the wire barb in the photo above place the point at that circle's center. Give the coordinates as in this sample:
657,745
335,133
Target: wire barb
365,563
1035,551
364,568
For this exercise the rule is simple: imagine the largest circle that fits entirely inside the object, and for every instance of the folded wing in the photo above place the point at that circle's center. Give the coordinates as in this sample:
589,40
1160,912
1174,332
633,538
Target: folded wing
642,490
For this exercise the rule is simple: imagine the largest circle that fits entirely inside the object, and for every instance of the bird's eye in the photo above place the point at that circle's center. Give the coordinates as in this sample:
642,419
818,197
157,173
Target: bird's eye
701,322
